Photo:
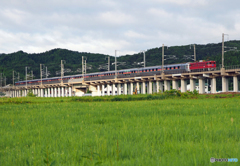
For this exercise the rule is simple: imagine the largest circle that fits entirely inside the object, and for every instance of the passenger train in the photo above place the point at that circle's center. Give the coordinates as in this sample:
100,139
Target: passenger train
168,69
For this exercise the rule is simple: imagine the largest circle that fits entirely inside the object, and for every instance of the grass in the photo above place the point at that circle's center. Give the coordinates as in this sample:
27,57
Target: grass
64,131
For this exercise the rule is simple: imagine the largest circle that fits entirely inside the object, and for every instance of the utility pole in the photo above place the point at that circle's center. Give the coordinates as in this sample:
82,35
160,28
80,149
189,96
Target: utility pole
41,73
162,59
194,47
62,71
1,79
26,76
13,78
83,67
46,72
85,71
108,63
115,63
144,59
223,50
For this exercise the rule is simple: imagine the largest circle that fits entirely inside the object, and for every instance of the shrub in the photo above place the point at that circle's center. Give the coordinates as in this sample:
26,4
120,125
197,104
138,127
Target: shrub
30,93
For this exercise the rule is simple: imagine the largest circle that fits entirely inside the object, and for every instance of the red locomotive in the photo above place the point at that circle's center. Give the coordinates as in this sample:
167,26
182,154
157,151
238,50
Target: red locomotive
202,65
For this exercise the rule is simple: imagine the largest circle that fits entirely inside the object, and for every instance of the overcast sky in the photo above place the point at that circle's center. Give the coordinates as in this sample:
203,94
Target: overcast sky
102,26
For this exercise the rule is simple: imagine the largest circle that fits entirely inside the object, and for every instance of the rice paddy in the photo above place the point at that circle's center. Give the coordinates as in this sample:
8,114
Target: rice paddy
62,131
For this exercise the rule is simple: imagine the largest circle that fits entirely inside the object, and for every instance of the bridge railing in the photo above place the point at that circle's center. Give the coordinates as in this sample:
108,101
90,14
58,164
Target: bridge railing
233,67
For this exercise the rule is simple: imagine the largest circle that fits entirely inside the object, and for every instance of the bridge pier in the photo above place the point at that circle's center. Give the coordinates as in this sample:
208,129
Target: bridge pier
119,89
98,90
131,88
201,86
61,91
45,92
175,84
183,85
113,89
149,87
157,86
38,92
137,84
235,84
154,87
224,84
103,87
125,88
128,88
167,85
192,84
51,90
143,88
41,91
65,91
58,92
213,85
70,92
108,89
161,86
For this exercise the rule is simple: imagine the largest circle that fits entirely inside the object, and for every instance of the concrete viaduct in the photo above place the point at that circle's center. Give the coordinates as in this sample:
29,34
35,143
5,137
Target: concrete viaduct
145,84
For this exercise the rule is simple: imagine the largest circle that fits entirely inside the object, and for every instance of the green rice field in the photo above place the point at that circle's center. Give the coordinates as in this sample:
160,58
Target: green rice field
65,131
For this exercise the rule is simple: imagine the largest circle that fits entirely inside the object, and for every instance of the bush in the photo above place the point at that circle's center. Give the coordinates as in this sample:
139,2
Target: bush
30,93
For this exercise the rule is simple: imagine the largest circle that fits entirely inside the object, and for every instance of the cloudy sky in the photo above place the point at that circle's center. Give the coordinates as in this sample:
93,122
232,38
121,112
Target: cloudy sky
102,26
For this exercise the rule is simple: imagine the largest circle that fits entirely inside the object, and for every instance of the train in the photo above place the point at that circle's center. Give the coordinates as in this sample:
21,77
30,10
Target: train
134,72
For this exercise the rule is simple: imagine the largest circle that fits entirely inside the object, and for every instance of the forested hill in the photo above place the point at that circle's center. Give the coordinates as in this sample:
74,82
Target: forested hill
97,62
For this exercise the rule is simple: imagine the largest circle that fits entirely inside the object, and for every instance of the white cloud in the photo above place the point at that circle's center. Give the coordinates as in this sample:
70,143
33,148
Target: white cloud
105,25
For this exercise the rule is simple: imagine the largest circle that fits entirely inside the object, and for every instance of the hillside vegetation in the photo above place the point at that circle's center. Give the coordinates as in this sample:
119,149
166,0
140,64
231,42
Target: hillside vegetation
52,59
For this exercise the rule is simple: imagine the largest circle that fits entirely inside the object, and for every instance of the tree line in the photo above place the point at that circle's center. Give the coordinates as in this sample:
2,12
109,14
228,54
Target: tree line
17,61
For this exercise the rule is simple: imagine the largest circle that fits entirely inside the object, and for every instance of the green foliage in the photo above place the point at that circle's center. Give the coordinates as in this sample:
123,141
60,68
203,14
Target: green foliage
2,94
30,93
172,92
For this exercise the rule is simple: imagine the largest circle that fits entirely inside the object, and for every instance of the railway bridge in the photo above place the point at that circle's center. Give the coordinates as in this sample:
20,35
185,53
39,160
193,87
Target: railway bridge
145,83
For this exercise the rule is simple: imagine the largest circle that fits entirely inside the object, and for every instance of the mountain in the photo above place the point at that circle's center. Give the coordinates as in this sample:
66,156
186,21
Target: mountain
17,61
